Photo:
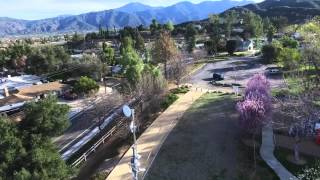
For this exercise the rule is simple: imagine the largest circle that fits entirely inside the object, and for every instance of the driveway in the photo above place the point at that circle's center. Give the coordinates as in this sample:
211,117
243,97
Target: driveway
235,70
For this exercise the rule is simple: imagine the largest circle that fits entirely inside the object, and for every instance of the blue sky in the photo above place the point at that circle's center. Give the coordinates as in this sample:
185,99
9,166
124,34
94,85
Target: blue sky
38,9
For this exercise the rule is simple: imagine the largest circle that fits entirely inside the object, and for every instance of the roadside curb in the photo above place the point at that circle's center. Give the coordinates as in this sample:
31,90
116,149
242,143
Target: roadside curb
194,71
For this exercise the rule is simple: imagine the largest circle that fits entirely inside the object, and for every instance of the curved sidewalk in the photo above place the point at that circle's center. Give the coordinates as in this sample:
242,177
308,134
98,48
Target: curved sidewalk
149,143
266,152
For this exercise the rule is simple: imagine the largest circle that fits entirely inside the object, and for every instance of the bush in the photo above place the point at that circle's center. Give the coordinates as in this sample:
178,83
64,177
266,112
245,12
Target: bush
280,93
231,46
289,42
310,173
85,85
169,99
180,90
289,58
270,53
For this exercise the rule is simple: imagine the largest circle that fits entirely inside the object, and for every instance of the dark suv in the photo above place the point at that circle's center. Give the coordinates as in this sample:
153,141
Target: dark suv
217,77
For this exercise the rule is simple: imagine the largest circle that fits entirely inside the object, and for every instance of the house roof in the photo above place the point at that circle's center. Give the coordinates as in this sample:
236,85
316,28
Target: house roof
18,82
30,92
36,90
247,43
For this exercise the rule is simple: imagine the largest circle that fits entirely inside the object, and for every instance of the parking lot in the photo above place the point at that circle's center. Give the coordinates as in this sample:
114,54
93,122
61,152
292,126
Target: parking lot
235,71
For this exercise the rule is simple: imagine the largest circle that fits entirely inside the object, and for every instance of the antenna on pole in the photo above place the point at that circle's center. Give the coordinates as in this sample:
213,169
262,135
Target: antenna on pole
135,164
126,111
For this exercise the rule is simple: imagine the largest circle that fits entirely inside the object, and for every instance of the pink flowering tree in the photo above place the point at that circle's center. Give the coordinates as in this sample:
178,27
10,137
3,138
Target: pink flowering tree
252,111
255,107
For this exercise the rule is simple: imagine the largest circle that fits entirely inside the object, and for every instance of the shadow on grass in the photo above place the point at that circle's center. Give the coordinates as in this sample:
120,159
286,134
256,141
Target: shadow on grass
205,144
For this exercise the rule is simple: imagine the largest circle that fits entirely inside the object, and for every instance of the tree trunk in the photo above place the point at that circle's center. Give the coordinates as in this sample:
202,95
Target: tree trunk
165,71
254,152
296,151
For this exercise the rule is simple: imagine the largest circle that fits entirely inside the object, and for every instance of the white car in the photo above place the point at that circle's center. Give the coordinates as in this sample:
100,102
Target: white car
273,70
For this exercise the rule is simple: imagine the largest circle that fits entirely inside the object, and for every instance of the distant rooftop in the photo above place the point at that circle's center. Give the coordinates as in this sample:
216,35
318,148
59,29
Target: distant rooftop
18,82
30,92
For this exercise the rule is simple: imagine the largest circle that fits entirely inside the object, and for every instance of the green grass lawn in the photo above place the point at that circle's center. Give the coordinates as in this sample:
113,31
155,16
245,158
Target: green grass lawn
244,53
294,88
206,144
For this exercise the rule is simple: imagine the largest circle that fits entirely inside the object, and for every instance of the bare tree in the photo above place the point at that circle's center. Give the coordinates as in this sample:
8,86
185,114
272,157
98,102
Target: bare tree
199,54
164,50
100,105
177,69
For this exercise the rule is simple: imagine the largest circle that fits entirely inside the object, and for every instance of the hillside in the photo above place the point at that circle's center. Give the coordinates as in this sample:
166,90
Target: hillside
132,14
297,11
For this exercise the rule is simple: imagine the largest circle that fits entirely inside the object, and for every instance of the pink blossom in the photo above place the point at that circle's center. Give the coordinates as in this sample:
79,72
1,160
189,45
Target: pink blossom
256,104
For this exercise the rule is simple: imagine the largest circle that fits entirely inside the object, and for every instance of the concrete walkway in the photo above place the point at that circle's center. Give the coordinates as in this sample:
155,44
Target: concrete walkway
266,152
149,143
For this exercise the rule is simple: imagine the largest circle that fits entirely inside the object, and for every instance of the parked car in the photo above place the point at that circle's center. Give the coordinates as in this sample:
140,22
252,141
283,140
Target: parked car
217,77
44,81
273,71
37,83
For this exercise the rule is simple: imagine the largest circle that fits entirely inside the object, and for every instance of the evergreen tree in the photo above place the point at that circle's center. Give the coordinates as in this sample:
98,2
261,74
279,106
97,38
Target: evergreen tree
190,37
108,55
214,30
169,26
45,117
27,152
131,62
139,43
154,26
230,18
253,24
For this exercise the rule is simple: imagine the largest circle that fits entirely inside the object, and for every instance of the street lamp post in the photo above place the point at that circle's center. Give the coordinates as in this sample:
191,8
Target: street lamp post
135,164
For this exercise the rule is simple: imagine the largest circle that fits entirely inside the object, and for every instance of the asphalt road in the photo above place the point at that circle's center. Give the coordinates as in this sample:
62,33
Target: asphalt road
235,70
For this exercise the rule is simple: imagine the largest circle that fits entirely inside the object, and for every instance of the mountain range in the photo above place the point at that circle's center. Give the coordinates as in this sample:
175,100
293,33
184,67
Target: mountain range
132,14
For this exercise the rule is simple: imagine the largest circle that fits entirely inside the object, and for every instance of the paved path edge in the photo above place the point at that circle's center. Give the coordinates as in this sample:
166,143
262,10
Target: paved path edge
157,132
266,152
